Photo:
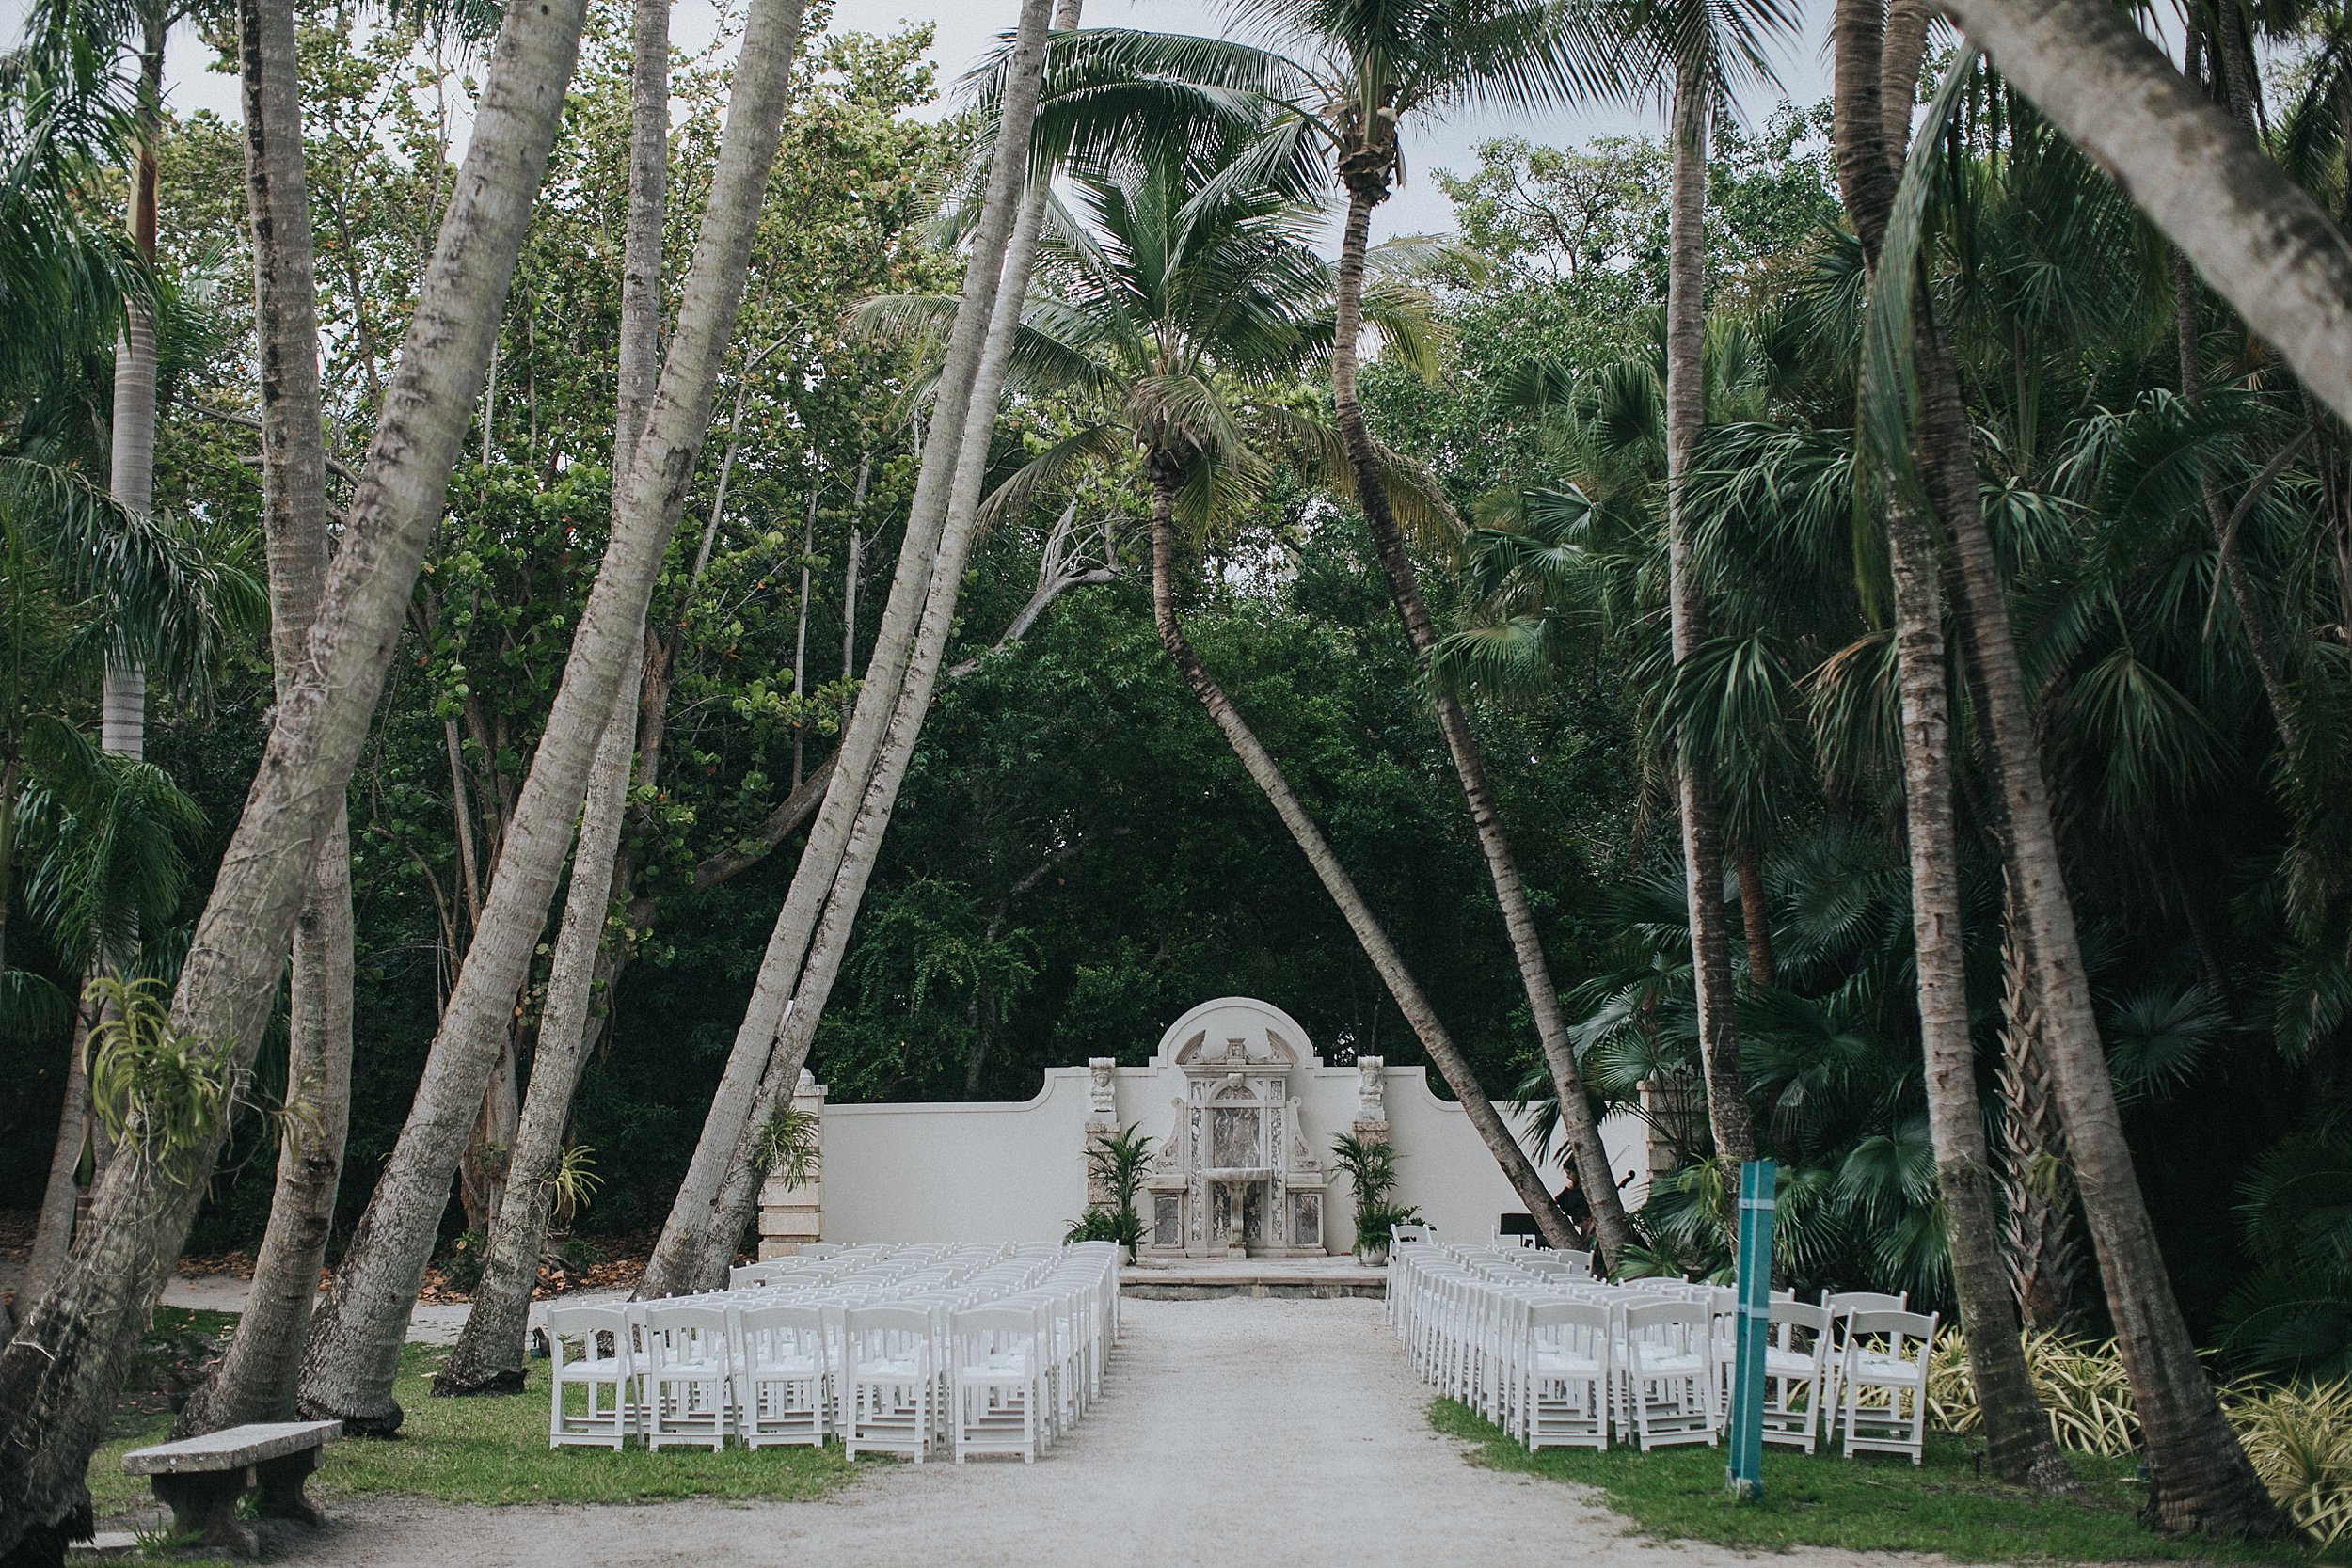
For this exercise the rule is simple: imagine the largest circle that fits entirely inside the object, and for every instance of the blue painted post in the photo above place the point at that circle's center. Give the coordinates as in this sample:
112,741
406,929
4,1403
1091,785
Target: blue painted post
1745,1472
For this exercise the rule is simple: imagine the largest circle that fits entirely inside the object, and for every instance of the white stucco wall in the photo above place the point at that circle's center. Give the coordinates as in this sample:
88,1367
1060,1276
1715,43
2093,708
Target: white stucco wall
1007,1171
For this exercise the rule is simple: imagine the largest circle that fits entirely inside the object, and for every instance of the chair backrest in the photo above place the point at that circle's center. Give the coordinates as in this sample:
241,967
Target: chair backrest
998,1323
1800,1315
785,1317
685,1331
1671,1326
1588,1317
588,1327
1408,1233
1894,1328
1867,1301
887,1320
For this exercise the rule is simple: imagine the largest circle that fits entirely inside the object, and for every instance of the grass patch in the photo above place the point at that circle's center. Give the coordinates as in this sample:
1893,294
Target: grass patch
493,1449
1871,1504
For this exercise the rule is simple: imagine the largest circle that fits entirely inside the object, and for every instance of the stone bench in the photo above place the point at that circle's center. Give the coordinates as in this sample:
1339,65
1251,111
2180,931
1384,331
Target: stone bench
202,1479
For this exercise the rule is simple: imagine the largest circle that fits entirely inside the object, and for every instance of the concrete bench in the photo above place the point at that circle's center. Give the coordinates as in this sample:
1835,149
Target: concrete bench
202,1479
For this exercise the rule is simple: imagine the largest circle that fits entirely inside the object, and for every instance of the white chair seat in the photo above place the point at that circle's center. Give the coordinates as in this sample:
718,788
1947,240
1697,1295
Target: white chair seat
689,1371
1669,1366
1557,1364
602,1369
1787,1363
1878,1369
901,1365
790,1365
999,1365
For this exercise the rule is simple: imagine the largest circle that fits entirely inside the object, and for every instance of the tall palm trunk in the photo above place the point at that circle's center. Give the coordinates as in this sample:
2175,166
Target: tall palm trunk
488,1355
2259,239
122,702
1727,1114
1267,775
2017,1432
354,1350
2042,1236
2199,1476
679,1257
58,1377
256,1379
1588,1154
739,1187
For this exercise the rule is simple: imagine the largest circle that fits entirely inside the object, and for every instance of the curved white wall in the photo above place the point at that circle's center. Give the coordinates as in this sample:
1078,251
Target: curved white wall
1016,1172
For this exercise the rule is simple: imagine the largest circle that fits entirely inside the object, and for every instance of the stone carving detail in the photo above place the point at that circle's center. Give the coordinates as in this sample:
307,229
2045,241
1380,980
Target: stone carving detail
1372,1089
1102,1091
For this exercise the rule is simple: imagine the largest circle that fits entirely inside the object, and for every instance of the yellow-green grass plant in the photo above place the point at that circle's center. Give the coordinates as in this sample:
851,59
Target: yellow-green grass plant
2299,1436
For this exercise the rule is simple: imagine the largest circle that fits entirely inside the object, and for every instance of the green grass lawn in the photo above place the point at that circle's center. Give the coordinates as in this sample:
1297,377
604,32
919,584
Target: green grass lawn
493,1449
1877,1503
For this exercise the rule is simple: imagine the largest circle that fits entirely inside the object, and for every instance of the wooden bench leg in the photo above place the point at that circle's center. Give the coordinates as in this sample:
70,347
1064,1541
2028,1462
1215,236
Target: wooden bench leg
279,1496
204,1504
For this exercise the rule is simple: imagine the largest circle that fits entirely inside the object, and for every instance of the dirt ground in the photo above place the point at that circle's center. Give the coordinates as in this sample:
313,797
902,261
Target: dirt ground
1233,1433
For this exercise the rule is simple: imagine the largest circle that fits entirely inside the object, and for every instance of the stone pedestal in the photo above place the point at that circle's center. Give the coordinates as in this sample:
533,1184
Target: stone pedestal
790,1213
1102,1124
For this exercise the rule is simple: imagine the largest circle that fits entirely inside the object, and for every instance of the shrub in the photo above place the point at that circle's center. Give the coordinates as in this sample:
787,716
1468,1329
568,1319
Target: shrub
463,1261
2081,1383
2298,1437
2300,1441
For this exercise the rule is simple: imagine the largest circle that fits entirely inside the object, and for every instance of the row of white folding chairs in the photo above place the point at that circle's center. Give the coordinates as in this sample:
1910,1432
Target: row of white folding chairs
793,1361
1560,1362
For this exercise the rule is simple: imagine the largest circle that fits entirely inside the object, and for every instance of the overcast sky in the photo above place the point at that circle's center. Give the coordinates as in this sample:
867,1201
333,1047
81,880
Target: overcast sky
965,28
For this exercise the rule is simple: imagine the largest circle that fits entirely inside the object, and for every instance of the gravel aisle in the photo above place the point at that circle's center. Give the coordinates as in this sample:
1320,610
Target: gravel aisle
1233,1433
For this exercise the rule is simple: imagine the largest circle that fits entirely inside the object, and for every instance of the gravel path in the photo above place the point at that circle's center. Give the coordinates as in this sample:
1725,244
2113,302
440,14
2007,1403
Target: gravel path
1233,1433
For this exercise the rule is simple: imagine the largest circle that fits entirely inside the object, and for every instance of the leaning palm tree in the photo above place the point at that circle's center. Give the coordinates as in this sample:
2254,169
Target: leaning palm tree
60,1375
1181,294
1355,70
2199,1477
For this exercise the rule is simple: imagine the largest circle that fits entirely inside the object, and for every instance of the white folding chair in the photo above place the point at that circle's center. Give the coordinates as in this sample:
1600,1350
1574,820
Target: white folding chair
687,1374
590,1370
1000,1384
889,1363
781,1373
1883,1373
1568,1373
1796,1373
1670,1373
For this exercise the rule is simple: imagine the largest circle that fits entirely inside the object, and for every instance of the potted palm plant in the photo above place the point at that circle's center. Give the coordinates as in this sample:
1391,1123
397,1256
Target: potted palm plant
1370,1168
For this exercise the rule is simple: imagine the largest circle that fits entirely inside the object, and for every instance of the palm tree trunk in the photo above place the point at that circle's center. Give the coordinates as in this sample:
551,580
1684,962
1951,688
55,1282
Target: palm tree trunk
681,1256
256,1378
1267,775
1727,1114
122,700
2200,1480
61,1198
1587,1152
488,1357
354,1349
2043,1238
2017,1433
60,1375
2259,239
1755,922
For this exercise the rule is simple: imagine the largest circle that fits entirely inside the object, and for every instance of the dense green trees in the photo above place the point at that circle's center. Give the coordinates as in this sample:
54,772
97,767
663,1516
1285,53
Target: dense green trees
1995,625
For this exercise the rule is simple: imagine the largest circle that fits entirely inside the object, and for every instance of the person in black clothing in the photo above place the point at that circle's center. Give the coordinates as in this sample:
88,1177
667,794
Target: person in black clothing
1577,1209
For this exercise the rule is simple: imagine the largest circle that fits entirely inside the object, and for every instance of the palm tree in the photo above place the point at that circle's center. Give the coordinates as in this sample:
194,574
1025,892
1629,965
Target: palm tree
810,937
2199,1474
60,1374
1184,297
2201,177
257,1377
1371,65
354,1346
490,1353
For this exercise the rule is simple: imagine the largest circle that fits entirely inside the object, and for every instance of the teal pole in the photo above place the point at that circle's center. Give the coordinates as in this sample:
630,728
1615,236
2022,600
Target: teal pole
1745,1473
